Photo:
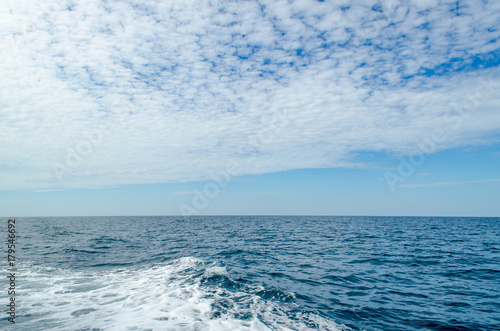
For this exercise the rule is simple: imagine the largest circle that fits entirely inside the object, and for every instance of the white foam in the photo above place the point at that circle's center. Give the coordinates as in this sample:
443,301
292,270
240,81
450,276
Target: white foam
162,297
211,271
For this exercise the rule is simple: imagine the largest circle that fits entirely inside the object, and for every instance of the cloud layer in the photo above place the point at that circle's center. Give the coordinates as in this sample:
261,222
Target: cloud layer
147,92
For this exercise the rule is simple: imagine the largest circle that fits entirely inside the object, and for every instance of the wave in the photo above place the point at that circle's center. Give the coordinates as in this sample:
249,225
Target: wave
183,294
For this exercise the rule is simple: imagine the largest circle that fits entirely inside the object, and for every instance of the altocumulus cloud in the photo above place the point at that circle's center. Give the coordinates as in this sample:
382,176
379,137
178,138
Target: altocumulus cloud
177,88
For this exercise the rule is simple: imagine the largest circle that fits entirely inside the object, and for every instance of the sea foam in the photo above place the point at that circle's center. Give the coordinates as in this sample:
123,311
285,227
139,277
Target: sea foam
184,294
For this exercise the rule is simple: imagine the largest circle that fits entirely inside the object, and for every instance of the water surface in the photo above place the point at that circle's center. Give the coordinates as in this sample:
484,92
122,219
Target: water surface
258,273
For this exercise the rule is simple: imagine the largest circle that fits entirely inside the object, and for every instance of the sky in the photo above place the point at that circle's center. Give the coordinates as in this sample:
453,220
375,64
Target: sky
249,107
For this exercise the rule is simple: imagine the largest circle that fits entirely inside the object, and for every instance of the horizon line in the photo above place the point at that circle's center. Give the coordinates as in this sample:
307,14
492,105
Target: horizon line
253,215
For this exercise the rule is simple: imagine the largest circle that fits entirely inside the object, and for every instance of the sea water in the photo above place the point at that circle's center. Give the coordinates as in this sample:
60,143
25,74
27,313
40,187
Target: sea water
256,273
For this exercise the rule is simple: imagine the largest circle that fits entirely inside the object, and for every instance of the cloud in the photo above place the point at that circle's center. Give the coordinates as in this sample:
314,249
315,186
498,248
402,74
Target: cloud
450,183
182,192
180,89
266,192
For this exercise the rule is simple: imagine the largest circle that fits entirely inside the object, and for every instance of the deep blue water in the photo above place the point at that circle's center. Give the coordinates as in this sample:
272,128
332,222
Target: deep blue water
258,273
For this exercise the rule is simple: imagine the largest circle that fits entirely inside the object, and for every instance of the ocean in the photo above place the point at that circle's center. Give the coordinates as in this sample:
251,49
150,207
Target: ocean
256,273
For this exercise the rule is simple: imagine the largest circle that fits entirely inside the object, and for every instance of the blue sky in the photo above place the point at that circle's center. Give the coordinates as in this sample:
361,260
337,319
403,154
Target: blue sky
305,107
456,182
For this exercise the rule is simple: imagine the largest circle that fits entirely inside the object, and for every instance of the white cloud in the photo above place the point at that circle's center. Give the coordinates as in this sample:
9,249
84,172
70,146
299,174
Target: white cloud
434,184
178,88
